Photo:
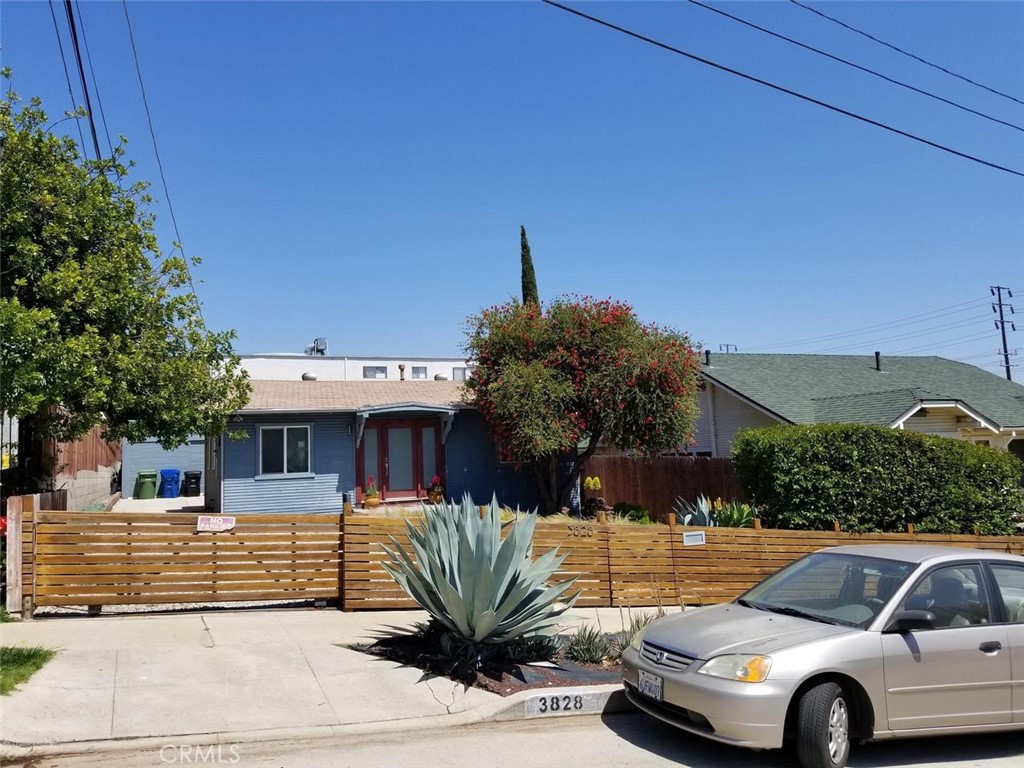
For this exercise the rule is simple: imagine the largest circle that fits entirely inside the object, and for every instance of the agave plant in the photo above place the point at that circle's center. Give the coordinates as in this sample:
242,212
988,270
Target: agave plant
699,513
735,514
485,591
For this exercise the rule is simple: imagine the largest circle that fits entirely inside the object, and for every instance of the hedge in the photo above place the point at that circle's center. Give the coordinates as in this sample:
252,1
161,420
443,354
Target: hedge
874,479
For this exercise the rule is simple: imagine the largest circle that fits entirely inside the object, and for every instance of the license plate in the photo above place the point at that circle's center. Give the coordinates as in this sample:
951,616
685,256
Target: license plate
649,685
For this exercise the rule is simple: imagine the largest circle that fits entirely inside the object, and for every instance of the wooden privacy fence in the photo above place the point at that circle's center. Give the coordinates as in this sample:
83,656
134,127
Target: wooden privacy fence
104,558
655,483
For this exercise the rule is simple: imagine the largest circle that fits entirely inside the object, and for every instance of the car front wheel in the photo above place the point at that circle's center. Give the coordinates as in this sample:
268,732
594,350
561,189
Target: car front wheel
823,727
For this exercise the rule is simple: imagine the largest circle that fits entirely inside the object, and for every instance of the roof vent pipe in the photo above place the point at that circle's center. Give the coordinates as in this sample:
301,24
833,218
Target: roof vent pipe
707,357
878,361
309,376
401,371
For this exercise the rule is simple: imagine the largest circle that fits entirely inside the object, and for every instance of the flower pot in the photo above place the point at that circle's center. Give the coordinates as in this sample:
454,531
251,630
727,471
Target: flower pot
371,501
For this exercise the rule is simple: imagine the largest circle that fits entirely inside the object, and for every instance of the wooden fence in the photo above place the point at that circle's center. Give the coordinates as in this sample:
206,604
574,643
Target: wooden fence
104,558
655,483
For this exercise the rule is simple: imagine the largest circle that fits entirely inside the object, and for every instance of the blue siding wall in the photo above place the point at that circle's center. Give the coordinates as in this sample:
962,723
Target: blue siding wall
473,467
332,442
136,457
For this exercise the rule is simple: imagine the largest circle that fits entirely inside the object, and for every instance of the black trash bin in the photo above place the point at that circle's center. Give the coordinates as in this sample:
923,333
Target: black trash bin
192,479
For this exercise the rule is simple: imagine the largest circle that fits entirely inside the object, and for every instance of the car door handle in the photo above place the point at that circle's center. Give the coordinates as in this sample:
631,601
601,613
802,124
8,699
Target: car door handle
990,647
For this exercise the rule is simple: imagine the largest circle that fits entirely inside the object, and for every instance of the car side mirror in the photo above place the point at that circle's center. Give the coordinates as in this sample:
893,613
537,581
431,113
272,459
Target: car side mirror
907,621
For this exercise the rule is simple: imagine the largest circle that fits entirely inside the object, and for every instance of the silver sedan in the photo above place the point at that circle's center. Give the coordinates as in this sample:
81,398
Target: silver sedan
849,643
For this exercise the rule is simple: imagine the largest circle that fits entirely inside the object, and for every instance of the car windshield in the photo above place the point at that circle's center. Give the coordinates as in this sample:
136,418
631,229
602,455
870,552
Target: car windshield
831,587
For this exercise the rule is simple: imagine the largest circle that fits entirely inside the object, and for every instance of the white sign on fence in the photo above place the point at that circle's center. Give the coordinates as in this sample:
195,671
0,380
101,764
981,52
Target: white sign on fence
693,538
214,523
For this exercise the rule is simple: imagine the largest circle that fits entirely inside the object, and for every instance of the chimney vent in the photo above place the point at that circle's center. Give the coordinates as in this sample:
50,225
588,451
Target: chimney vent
707,357
308,376
878,361
440,377
401,371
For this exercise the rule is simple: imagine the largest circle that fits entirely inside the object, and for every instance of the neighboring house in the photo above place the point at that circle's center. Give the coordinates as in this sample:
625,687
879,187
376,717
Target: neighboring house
305,444
293,367
932,395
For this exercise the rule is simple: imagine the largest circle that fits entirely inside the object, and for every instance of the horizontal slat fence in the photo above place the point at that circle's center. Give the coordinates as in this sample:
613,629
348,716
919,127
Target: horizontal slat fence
87,558
105,558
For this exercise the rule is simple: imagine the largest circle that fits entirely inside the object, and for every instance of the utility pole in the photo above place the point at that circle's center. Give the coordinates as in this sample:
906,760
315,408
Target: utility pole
728,348
998,307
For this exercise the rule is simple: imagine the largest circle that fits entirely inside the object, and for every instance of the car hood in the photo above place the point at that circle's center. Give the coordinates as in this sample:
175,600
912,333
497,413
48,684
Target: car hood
731,628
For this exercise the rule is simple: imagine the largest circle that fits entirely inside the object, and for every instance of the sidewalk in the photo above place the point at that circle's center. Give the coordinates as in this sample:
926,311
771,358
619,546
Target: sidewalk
246,675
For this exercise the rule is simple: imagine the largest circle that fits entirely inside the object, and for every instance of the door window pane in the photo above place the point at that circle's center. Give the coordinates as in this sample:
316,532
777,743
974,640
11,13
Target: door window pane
297,449
429,456
400,458
272,451
1011,588
370,458
956,595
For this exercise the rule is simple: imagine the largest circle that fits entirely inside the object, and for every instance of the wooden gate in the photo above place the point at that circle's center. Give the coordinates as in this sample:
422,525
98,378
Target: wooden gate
105,558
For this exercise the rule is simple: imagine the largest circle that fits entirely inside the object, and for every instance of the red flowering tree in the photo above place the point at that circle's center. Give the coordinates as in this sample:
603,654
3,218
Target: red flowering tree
555,381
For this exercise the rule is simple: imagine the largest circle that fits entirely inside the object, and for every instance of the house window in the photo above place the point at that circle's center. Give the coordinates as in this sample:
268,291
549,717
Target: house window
375,371
284,450
419,371
459,374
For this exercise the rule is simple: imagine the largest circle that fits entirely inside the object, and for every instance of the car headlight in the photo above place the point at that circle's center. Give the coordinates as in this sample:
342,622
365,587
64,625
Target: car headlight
638,639
741,667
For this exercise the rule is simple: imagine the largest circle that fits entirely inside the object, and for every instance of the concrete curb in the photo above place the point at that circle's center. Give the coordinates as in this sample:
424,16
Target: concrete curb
524,705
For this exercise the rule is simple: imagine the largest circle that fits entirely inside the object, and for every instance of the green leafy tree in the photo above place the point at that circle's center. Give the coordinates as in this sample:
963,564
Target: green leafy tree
530,295
96,327
554,382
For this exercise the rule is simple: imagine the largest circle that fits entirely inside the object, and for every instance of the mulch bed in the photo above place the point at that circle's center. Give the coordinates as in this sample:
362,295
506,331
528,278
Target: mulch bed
499,676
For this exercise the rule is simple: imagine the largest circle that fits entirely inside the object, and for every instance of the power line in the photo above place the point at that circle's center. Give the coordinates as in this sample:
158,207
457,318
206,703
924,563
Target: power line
897,323
67,76
944,343
95,83
81,75
856,66
905,53
782,89
156,151
903,336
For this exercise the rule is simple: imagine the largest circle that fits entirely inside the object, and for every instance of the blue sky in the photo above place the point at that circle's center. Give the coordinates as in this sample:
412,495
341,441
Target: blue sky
360,170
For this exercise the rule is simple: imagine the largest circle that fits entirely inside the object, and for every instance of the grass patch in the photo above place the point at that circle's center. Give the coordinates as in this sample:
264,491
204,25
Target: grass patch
4,615
19,664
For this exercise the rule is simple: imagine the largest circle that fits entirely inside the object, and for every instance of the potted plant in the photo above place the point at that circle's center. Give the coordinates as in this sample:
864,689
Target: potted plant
435,494
370,496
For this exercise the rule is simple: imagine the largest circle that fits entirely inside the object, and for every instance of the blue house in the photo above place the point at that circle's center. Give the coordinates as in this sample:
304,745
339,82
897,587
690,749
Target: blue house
305,444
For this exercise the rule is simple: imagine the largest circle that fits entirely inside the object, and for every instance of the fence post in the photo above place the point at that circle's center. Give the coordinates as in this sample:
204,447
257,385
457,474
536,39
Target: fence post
757,523
14,557
910,528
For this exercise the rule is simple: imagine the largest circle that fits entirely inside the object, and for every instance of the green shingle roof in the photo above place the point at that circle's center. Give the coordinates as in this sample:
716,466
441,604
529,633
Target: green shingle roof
808,389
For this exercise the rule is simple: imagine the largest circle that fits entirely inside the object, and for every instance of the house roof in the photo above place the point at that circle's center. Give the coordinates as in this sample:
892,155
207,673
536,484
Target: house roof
807,389
304,396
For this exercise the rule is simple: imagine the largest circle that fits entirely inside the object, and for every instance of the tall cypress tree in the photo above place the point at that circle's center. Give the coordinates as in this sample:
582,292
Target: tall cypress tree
530,295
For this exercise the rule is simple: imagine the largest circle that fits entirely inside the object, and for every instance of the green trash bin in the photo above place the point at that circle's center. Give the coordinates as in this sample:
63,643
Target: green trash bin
147,484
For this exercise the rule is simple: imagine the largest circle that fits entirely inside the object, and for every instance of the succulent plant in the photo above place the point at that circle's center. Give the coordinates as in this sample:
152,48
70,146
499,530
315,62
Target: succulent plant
484,590
699,513
588,646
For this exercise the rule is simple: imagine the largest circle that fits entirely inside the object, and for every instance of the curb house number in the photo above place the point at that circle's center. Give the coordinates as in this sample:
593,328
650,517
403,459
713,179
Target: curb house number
547,705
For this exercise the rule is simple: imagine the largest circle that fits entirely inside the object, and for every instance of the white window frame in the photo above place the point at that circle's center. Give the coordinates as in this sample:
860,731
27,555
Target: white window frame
465,373
284,436
419,368
377,369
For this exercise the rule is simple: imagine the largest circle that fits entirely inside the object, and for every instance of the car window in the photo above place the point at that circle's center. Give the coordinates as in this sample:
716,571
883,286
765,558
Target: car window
1010,580
835,587
955,594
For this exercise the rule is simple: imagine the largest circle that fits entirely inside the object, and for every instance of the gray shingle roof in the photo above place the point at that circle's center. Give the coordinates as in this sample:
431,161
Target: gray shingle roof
349,395
807,389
